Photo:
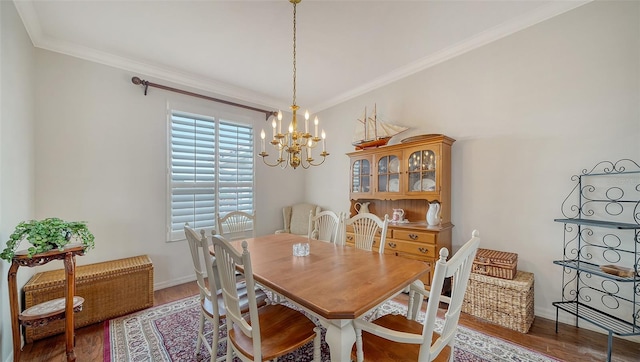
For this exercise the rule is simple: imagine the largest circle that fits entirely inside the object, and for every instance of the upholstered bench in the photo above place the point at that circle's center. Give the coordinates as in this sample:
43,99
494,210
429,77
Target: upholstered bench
110,289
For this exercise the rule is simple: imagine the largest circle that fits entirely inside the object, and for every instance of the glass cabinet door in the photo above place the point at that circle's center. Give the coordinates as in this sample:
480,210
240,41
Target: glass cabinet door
422,166
388,174
361,176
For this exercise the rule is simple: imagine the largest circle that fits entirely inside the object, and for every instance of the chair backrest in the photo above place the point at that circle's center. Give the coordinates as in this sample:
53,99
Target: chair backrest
237,225
296,217
203,267
366,227
459,269
227,259
323,226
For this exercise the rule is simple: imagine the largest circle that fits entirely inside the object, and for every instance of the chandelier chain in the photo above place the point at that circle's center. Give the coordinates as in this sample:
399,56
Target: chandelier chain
294,53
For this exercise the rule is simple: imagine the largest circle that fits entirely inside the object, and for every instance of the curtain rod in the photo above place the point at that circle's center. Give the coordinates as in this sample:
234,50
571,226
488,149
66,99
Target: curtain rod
146,84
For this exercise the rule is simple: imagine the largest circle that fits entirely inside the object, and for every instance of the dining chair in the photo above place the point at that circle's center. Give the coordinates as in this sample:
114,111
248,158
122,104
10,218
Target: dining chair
237,225
211,301
323,226
266,332
400,338
366,227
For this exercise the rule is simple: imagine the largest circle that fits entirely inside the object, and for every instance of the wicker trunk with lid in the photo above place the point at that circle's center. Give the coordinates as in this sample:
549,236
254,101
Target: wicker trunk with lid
508,303
110,289
495,263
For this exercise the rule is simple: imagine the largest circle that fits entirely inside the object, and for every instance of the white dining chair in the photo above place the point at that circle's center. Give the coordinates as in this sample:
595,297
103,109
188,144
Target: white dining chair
366,227
323,226
403,338
211,302
266,332
237,225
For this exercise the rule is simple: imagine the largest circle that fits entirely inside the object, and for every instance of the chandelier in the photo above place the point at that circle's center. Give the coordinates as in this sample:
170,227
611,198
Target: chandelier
294,147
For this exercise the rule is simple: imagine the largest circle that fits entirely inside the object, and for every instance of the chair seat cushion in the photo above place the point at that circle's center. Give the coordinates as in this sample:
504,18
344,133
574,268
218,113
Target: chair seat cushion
380,349
282,330
261,300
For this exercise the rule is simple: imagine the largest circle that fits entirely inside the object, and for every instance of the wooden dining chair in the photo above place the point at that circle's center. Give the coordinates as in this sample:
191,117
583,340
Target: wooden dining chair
211,301
366,227
323,226
237,225
266,332
400,338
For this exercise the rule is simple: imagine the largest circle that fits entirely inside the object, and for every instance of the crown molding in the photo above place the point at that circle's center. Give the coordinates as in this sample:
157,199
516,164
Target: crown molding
488,36
32,25
30,19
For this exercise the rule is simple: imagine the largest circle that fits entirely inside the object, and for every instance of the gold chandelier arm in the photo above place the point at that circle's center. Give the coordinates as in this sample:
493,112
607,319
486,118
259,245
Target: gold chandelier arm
279,161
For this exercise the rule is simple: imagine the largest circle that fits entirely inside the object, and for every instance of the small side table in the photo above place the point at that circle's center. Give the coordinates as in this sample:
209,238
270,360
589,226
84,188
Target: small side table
43,313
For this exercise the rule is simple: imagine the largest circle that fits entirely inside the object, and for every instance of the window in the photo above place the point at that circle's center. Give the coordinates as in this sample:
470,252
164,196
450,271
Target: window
210,170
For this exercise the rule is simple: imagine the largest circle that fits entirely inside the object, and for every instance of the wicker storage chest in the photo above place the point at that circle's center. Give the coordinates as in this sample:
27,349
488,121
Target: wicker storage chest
508,303
110,289
499,264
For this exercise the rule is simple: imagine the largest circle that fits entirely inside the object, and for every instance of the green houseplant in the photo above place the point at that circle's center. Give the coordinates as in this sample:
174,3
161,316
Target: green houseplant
47,234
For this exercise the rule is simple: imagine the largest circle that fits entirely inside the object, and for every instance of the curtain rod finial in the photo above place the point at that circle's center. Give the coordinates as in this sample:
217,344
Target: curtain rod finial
136,80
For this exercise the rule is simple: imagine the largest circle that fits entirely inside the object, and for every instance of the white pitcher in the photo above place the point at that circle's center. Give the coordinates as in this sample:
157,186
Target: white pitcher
433,214
361,207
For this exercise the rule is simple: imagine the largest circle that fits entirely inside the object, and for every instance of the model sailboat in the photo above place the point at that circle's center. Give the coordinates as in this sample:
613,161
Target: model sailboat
371,132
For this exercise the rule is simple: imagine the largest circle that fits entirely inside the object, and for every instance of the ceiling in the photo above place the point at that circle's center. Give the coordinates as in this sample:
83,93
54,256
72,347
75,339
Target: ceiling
243,49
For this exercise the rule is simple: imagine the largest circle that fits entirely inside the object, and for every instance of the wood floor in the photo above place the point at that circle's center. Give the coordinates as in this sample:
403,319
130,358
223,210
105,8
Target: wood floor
569,344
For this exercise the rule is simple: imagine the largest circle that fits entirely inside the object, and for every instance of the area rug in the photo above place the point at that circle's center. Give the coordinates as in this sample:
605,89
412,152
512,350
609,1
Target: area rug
169,332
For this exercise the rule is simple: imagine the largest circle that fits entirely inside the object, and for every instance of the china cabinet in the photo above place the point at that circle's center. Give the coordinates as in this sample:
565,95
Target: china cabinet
407,176
601,256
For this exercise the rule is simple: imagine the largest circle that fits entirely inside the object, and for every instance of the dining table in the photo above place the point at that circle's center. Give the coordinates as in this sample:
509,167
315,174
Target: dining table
334,283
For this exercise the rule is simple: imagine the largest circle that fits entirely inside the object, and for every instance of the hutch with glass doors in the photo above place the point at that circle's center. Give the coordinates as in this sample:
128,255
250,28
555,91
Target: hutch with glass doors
410,176
601,254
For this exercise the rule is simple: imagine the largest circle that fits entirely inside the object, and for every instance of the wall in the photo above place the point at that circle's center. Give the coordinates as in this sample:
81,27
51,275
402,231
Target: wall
16,148
528,112
101,149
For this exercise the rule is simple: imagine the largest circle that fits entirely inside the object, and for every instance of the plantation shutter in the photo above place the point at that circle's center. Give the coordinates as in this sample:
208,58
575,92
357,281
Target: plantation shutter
235,184
211,171
193,155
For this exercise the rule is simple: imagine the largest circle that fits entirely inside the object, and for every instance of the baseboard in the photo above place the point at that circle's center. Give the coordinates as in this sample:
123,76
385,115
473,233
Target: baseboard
173,282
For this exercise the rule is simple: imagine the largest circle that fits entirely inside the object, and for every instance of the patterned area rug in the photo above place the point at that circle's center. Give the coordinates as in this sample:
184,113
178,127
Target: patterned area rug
169,332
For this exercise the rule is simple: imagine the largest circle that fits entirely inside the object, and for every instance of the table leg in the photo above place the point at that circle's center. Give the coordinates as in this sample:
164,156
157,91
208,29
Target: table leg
340,337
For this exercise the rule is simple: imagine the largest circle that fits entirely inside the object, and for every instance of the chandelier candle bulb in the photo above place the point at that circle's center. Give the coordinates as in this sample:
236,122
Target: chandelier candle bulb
262,136
315,121
324,142
273,124
279,122
306,121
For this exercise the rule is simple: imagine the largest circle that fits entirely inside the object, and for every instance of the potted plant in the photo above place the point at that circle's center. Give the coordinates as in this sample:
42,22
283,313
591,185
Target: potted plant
47,234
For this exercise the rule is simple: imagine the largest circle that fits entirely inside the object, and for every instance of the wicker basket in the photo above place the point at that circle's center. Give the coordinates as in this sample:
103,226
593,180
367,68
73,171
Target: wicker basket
508,303
110,289
499,264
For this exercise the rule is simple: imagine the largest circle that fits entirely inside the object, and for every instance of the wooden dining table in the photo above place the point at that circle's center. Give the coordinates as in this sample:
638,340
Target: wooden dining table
334,283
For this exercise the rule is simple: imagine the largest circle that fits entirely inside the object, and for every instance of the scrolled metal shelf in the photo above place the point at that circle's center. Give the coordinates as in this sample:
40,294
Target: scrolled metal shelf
594,269
603,320
600,223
